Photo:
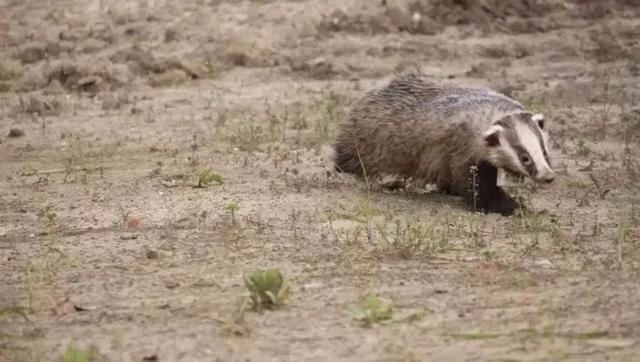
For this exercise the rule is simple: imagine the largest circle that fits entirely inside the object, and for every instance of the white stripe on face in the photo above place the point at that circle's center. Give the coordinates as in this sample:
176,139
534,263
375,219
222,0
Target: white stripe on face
532,143
537,118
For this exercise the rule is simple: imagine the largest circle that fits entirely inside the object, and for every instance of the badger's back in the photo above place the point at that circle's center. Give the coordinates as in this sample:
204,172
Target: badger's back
418,127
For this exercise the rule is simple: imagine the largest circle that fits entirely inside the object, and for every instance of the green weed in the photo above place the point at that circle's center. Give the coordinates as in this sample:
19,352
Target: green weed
232,208
73,354
268,288
208,177
372,310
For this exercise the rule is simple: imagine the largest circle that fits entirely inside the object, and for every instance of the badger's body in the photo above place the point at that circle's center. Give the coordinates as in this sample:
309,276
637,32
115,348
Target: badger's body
450,136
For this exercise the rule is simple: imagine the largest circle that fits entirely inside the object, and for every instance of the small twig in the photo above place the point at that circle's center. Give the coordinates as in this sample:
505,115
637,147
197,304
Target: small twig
61,170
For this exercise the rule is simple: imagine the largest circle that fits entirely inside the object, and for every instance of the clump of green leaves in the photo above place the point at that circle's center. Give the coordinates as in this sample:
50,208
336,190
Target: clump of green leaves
372,310
72,354
267,288
208,177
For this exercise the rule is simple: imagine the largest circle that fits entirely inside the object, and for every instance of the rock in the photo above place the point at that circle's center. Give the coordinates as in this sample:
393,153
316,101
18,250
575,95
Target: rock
543,263
89,83
152,254
15,133
172,284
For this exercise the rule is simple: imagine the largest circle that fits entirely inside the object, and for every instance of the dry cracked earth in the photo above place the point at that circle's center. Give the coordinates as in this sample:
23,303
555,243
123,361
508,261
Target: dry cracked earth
153,152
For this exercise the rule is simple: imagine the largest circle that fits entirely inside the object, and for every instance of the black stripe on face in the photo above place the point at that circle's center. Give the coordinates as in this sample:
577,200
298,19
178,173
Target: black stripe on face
536,130
525,159
527,119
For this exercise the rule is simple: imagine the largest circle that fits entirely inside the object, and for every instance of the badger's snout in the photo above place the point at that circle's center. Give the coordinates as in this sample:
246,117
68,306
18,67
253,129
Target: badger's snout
546,177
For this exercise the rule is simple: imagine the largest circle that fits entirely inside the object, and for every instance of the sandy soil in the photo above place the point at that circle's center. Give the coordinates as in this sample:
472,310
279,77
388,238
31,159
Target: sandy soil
106,245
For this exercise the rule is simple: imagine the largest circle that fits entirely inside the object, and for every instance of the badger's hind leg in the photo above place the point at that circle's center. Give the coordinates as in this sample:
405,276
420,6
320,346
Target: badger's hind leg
486,195
392,182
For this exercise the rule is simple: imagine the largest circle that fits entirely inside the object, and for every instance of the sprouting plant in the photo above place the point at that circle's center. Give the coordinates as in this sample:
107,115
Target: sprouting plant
473,177
372,310
73,354
208,177
267,288
232,207
125,214
193,147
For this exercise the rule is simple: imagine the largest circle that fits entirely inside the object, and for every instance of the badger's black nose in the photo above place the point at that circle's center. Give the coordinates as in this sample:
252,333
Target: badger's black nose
547,179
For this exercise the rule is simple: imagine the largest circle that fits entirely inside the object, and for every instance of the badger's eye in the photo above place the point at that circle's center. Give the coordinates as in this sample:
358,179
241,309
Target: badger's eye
525,159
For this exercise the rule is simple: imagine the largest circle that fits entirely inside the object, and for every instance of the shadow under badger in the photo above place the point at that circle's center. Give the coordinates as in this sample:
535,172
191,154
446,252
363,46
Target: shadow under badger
454,137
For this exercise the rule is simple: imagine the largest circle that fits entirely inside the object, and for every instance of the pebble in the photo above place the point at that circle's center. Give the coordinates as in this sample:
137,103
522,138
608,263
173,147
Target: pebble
15,133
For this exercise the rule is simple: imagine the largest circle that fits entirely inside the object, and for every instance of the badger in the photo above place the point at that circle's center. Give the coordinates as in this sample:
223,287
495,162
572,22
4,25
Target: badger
460,139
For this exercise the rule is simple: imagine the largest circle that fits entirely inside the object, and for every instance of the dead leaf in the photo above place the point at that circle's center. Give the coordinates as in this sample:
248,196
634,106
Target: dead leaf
79,309
133,224
66,307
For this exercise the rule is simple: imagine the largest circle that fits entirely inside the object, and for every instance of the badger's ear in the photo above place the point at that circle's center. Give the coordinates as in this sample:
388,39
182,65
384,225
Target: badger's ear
492,136
539,119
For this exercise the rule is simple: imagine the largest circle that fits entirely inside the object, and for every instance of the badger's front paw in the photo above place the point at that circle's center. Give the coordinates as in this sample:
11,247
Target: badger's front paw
503,204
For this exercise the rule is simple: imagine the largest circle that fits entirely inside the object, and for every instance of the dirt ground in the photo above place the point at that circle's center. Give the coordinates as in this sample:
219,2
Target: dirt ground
112,112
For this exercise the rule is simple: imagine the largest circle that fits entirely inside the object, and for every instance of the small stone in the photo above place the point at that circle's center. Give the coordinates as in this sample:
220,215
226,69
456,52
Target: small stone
544,263
172,284
15,133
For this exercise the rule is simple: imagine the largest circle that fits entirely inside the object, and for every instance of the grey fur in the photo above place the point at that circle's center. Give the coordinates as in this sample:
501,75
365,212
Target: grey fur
428,131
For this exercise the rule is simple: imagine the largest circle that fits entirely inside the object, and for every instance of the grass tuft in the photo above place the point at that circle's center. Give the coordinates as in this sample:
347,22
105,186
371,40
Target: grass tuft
208,177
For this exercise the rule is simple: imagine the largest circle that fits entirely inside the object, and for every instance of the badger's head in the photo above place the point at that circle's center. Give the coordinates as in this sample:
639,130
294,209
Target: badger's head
518,144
